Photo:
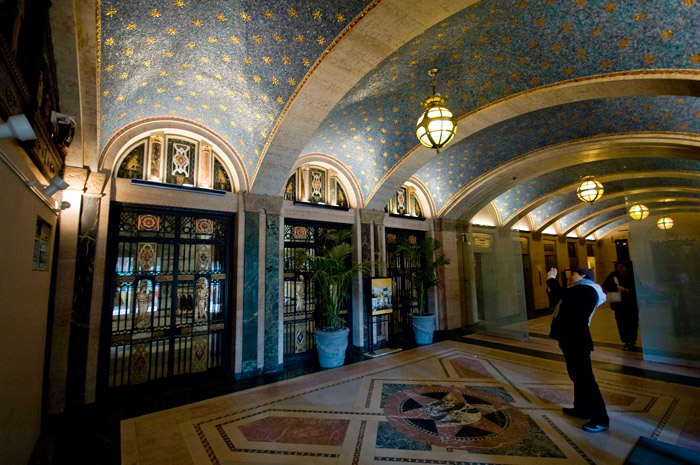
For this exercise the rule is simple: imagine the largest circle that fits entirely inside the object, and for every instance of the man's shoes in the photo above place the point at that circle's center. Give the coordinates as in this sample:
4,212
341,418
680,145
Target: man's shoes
572,412
592,427
627,347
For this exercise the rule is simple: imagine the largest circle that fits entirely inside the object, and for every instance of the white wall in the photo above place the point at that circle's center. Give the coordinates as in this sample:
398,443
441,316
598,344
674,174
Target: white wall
23,312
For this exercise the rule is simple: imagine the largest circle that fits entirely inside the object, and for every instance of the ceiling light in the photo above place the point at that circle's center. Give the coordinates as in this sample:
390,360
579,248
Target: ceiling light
590,190
436,126
665,222
638,211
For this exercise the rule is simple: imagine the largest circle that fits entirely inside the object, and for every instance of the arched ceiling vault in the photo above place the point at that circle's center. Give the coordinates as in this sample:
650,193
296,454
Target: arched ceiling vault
537,87
604,224
620,211
546,215
614,150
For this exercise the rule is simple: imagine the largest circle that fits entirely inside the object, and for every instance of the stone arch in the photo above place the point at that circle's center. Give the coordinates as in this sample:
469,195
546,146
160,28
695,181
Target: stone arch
681,83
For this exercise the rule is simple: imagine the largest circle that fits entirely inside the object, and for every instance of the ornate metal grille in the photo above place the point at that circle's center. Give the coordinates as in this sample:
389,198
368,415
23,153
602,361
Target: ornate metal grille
301,314
399,268
167,313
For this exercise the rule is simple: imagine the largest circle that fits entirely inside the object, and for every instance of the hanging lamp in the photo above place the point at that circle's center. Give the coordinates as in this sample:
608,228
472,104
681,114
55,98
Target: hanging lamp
665,222
638,211
590,190
436,126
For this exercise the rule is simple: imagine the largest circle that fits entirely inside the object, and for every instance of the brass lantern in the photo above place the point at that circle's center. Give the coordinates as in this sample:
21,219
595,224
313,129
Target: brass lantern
638,211
590,190
436,126
665,222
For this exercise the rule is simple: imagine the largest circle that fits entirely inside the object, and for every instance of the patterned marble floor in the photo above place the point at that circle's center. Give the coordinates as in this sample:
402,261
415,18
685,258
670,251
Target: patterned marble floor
453,402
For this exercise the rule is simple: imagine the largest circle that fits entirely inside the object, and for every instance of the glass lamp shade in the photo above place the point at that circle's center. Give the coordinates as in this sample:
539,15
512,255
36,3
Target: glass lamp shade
436,126
639,212
590,190
665,222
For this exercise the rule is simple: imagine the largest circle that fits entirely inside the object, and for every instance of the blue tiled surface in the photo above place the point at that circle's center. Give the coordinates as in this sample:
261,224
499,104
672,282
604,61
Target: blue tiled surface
231,66
221,65
495,49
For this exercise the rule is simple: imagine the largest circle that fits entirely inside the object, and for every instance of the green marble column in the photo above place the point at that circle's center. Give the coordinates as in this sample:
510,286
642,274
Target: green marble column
272,294
251,262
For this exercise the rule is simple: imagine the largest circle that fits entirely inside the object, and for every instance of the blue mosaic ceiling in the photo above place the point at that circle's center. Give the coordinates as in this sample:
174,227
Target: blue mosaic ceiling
234,67
230,66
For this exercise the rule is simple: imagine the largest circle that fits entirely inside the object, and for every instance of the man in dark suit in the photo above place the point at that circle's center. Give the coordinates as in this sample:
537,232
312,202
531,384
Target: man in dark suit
570,326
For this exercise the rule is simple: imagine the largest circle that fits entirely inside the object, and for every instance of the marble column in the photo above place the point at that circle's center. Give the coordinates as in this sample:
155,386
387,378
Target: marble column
251,263
82,299
261,312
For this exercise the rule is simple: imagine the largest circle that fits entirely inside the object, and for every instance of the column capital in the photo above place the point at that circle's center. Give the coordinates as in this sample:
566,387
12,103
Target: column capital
257,202
371,216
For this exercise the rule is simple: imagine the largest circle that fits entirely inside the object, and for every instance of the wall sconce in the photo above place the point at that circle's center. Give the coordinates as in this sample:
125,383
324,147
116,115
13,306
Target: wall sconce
638,211
17,126
64,205
665,222
590,190
436,126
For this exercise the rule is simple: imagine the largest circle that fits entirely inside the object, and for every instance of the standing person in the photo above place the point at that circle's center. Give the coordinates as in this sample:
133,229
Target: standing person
626,311
570,326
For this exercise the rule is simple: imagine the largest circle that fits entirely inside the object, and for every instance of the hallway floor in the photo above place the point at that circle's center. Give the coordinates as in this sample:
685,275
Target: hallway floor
473,399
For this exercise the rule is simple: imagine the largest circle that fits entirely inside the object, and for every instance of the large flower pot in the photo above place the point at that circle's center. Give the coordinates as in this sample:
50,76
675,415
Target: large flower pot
423,328
331,346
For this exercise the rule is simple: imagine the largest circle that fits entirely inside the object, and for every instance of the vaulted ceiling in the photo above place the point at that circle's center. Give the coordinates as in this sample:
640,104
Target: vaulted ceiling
545,92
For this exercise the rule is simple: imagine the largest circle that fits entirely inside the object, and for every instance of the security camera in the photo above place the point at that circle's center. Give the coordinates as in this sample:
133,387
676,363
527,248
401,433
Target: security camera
17,126
56,184
63,128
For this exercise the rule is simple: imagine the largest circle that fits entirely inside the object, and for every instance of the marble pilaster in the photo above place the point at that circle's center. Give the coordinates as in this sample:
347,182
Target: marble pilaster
251,262
82,301
272,346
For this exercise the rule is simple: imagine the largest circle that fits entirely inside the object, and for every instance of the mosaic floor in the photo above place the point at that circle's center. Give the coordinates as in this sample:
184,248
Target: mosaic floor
449,403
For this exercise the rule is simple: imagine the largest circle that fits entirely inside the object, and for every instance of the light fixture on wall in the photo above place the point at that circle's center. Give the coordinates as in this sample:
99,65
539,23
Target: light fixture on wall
436,126
64,205
590,190
17,126
638,211
665,222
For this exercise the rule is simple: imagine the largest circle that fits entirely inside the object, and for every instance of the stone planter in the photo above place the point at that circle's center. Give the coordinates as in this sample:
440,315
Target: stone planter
423,328
331,346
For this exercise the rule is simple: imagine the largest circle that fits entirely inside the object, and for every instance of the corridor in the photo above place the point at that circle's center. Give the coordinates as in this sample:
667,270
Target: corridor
471,399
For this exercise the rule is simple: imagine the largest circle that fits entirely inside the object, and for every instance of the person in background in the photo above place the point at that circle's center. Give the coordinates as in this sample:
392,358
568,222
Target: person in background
626,311
570,326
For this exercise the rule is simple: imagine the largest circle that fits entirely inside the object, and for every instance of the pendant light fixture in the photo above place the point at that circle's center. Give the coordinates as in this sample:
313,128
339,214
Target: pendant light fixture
590,190
665,222
436,126
638,211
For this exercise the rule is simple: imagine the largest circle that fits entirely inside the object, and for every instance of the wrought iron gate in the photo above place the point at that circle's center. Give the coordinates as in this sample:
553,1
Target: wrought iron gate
301,314
166,314
399,268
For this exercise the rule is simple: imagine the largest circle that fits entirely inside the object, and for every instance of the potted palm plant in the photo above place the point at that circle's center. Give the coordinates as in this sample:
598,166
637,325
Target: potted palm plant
332,273
428,266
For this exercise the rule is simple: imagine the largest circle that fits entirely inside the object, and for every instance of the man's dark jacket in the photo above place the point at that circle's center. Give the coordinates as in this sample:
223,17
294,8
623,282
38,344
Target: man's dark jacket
570,325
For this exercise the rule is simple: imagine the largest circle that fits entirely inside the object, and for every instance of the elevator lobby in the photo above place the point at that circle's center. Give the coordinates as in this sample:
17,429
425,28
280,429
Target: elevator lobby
169,166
